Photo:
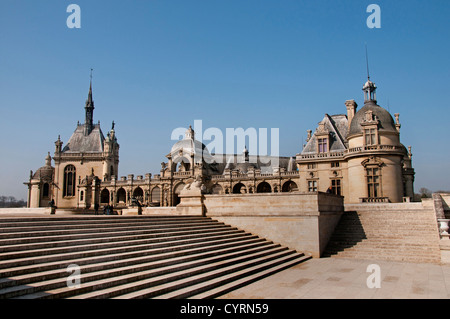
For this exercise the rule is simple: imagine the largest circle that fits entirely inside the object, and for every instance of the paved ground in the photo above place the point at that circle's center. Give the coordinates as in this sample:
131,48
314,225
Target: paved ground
330,278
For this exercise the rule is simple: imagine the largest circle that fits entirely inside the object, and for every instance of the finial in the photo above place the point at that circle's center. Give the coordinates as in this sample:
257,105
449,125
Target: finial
113,124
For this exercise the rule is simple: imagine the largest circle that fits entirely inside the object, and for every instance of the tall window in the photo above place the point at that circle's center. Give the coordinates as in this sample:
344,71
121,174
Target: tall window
312,186
45,190
323,145
69,181
373,182
370,136
336,186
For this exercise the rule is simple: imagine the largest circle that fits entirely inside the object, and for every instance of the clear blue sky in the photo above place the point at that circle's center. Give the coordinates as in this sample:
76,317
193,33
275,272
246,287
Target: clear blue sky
159,65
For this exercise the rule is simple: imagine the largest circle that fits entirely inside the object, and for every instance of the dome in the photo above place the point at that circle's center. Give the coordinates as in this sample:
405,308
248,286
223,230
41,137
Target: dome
183,149
386,122
46,171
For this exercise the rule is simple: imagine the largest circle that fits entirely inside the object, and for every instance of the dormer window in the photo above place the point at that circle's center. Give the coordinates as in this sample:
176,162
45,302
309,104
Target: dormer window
370,136
323,145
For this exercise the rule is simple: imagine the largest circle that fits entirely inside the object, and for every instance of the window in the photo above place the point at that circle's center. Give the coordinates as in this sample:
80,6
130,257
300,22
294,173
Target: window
336,186
323,145
335,164
45,190
312,166
312,186
370,136
81,196
69,181
373,182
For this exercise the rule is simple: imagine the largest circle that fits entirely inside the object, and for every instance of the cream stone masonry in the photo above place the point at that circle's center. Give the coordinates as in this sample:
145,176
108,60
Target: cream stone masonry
358,156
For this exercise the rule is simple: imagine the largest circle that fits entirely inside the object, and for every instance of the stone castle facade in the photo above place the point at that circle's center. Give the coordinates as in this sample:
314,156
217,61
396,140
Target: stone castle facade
357,155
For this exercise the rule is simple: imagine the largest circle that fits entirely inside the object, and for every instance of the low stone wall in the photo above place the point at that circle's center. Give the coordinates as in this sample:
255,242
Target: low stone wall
22,211
300,221
157,211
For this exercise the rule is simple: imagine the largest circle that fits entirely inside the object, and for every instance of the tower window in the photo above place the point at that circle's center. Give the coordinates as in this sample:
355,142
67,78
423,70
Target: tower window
373,182
336,186
312,186
370,136
69,181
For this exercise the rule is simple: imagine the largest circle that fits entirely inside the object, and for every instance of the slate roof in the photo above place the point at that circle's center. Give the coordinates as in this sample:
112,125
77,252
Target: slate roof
79,143
337,125
386,122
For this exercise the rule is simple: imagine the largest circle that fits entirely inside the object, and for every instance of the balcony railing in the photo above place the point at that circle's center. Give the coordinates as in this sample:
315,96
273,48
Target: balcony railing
374,199
350,151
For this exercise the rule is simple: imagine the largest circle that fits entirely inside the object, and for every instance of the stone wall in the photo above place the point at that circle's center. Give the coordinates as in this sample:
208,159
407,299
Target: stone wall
301,221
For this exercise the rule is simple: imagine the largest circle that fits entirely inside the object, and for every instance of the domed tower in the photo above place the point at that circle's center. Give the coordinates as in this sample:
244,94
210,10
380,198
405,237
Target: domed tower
40,185
375,155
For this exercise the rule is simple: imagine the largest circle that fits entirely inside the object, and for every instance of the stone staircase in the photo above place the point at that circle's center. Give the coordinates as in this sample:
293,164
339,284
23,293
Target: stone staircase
397,232
132,257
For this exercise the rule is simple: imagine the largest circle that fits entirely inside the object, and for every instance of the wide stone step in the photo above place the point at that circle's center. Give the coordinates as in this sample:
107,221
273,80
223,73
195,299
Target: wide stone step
106,234
130,271
407,234
112,237
170,245
142,256
218,286
137,256
240,269
137,262
112,244
40,233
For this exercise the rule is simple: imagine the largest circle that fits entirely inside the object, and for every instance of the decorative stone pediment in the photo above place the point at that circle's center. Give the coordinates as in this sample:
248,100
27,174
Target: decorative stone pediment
372,161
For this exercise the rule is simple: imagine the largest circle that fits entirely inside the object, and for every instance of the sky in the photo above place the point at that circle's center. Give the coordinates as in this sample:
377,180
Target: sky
161,65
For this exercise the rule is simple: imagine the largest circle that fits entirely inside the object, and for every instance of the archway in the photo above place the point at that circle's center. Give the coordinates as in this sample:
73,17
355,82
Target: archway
138,194
156,195
121,196
289,186
104,196
264,187
176,192
217,189
239,188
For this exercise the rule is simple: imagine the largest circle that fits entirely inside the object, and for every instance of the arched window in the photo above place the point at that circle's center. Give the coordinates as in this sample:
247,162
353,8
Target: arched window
289,186
104,196
176,192
264,187
156,195
45,190
69,181
121,196
239,188
138,194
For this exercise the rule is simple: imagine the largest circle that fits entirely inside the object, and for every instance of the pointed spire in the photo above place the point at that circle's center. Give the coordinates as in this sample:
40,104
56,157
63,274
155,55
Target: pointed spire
89,111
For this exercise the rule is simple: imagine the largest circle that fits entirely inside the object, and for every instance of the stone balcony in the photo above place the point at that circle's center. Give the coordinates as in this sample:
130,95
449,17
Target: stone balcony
354,151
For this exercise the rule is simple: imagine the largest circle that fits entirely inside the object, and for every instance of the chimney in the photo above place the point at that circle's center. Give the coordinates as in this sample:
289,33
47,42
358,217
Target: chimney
351,110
